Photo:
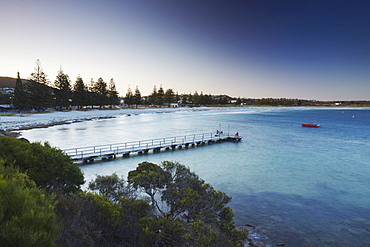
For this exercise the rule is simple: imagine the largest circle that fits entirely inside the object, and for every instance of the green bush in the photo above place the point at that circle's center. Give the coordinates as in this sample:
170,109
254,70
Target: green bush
27,215
49,167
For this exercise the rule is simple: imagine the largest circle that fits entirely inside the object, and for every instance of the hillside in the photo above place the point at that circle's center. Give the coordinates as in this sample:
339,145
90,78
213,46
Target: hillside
7,82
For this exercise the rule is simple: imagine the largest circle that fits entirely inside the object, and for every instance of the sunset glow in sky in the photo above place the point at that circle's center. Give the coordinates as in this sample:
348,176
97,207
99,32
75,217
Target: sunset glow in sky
307,49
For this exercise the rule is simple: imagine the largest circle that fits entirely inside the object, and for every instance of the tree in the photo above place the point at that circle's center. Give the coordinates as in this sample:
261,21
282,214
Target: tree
91,94
190,199
129,99
113,187
100,90
89,219
196,98
151,178
112,94
190,99
20,95
48,167
63,90
40,94
27,215
169,96
137,96
153,96
79,93
184,99
160,96
192,213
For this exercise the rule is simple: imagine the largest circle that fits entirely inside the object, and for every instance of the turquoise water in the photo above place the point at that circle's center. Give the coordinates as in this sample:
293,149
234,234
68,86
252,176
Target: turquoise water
300,186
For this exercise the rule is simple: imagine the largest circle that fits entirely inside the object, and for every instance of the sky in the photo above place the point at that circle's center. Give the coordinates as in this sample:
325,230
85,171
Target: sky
306,49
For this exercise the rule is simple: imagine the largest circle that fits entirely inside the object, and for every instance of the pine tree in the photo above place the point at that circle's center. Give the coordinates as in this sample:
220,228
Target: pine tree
129,99
196,98
40,94
137,96
112,94
63,91
153,96
91,95
20,95
169,96
160,96
101,92
80,93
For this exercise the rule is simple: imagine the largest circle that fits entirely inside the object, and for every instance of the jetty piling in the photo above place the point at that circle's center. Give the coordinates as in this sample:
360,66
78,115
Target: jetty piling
111,151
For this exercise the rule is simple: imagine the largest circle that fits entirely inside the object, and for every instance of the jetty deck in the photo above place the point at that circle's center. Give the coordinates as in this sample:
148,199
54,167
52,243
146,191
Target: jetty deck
112,151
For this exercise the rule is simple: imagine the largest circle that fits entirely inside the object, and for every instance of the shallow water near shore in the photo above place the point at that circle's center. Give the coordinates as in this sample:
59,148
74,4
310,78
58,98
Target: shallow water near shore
299,186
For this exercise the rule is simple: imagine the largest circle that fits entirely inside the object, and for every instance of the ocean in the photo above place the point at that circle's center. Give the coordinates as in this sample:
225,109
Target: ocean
294,185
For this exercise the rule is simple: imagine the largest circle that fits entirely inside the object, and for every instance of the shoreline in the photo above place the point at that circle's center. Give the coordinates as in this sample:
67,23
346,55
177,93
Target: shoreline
26,121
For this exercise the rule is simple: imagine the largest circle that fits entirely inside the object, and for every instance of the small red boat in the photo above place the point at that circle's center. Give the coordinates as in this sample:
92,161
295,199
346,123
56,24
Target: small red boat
311,125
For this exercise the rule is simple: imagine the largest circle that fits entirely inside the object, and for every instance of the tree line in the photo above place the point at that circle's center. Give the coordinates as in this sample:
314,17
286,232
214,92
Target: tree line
38,92
160,97
42,204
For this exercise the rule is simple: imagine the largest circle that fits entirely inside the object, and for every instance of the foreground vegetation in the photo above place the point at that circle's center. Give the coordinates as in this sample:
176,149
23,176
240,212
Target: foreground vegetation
42,204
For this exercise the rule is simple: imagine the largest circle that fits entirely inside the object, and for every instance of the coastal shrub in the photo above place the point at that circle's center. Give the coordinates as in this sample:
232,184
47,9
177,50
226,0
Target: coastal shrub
184,210
27,215
49,167
113,187
94,220
178,209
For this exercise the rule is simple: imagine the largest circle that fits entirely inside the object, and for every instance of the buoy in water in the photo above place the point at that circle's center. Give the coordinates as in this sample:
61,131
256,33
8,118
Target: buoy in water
353,116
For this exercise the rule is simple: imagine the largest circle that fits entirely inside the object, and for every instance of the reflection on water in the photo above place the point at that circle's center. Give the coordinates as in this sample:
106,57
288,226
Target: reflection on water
298,186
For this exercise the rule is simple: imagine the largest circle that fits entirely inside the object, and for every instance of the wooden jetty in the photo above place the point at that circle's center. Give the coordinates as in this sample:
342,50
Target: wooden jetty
112,151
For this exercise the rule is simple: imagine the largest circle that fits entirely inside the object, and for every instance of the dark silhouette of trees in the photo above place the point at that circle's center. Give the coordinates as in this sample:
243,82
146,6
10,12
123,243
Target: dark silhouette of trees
137,96
129,99
100,92
152,99
63,91
39,92
20,95
80,94
112,94
160,96
169,97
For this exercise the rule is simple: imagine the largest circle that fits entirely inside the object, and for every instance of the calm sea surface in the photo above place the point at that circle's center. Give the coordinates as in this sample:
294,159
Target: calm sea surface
298,186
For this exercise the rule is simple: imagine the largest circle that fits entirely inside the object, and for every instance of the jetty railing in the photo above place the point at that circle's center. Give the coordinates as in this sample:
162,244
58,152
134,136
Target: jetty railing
110,151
